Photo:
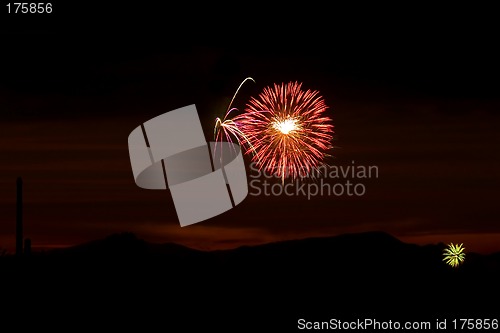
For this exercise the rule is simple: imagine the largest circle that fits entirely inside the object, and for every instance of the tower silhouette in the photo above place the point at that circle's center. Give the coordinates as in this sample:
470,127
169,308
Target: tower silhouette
19,217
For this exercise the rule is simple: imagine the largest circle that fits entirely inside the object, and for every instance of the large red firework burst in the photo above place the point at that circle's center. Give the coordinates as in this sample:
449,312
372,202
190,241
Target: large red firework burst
287,130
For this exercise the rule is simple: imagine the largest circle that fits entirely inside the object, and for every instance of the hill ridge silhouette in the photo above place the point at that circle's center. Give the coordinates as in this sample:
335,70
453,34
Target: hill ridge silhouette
373,252
130,243
129,238
350,276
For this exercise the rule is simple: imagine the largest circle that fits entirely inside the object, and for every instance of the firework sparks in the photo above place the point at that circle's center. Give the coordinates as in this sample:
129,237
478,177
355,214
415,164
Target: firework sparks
454,254
287,129
227,129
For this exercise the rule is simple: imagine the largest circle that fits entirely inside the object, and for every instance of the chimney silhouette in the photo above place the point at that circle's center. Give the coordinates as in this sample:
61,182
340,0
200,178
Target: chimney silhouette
19,217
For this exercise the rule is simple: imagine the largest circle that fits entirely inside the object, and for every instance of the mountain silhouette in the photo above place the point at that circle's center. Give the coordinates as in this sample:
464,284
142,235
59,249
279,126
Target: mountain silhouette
370,274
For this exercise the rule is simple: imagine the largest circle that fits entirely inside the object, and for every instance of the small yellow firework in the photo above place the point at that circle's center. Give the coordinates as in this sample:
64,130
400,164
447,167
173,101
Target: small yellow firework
454,254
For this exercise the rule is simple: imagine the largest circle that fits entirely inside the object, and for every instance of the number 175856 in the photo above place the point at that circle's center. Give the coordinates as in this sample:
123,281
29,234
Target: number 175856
29,8
475,324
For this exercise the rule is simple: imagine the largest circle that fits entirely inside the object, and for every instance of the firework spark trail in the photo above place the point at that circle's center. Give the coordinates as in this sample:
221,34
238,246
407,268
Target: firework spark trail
287,129
454,254
226,128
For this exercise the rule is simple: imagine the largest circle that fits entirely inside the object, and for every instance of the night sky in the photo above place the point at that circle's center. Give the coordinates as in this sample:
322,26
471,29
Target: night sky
417,98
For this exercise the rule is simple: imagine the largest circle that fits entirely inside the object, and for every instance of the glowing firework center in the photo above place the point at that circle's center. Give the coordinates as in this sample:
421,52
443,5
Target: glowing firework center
286,126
